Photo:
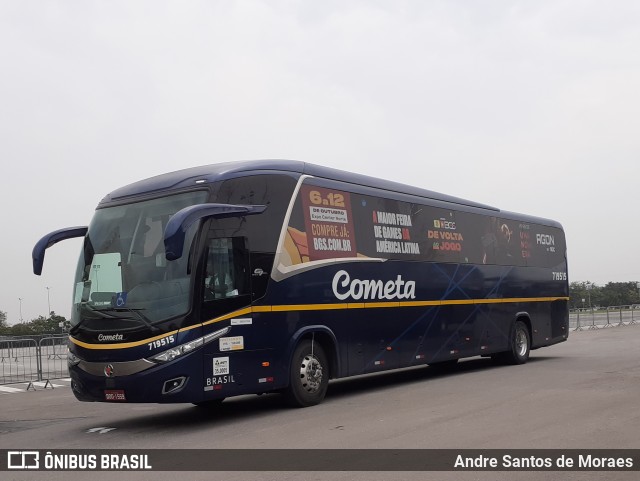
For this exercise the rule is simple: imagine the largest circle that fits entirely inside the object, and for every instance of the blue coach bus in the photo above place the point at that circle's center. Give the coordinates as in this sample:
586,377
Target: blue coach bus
262,276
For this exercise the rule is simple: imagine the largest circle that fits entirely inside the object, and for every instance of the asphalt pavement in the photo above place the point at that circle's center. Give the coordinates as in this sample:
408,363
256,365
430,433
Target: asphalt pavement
581,394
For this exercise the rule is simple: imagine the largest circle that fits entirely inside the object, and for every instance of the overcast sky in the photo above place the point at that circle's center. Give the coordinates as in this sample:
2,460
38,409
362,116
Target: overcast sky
530,106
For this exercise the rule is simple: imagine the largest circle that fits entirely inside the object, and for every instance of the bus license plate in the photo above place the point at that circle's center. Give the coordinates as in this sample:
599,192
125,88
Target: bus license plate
114,395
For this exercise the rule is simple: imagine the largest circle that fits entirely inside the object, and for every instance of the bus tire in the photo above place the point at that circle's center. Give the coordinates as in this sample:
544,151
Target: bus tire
520,346
308,375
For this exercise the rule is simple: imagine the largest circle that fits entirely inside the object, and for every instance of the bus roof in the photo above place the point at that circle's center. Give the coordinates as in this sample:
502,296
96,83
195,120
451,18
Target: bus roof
215,172
207,174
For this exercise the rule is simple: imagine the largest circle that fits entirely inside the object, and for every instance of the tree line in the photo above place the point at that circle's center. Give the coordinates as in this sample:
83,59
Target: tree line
586,294
39,325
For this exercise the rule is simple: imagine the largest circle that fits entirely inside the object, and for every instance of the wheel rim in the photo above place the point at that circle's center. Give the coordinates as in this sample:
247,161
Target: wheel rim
311,374
522,344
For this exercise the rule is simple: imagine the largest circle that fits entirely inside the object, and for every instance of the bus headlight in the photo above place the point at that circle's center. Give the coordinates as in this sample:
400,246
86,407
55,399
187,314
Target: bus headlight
168,355
187,347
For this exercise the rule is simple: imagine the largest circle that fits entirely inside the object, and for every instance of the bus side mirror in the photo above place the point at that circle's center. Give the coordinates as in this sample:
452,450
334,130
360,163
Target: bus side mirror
179,223
53,238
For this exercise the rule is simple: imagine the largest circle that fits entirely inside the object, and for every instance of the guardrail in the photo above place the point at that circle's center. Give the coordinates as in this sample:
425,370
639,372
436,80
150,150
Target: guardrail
33,359
582,319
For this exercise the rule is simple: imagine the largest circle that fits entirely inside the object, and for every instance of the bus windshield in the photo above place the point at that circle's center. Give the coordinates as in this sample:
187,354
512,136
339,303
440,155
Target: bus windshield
123,268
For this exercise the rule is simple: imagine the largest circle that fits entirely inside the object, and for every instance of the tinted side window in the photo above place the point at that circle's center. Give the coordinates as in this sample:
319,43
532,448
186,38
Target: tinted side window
546,246
227,268
331,223
272,190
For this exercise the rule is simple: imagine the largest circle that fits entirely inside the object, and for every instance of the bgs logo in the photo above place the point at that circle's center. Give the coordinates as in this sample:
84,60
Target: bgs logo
443,223
23,460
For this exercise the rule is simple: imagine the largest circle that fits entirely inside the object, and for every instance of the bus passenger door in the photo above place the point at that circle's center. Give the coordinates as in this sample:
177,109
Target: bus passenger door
226,289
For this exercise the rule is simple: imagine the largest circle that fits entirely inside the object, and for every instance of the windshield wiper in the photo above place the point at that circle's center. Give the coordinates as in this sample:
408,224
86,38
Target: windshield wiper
140,316
99,312
104,313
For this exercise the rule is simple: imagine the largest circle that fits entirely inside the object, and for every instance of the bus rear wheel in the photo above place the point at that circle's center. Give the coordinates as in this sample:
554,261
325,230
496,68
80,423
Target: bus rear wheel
308,375
520,346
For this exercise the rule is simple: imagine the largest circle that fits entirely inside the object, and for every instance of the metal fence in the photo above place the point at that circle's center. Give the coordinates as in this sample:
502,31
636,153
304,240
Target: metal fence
583,319
33,359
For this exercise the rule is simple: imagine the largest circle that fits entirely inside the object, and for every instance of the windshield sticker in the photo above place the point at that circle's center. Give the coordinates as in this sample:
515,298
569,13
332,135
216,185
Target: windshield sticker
232,343
120,299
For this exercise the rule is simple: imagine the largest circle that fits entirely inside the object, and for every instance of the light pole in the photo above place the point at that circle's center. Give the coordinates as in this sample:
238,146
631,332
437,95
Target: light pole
96,267
48,302
20,300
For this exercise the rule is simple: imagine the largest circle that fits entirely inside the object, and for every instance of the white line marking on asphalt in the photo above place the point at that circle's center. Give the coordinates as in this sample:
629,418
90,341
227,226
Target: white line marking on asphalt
101,430
10,389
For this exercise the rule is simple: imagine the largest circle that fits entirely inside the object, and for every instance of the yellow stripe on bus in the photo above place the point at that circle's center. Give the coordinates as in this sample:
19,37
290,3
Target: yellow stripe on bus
323,307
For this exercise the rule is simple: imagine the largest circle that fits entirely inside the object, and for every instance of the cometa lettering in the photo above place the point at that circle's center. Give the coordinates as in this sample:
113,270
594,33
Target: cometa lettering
110,337
344,287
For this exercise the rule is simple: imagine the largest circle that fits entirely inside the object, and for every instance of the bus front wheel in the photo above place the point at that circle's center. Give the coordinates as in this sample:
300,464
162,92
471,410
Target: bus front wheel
519,344
308,375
